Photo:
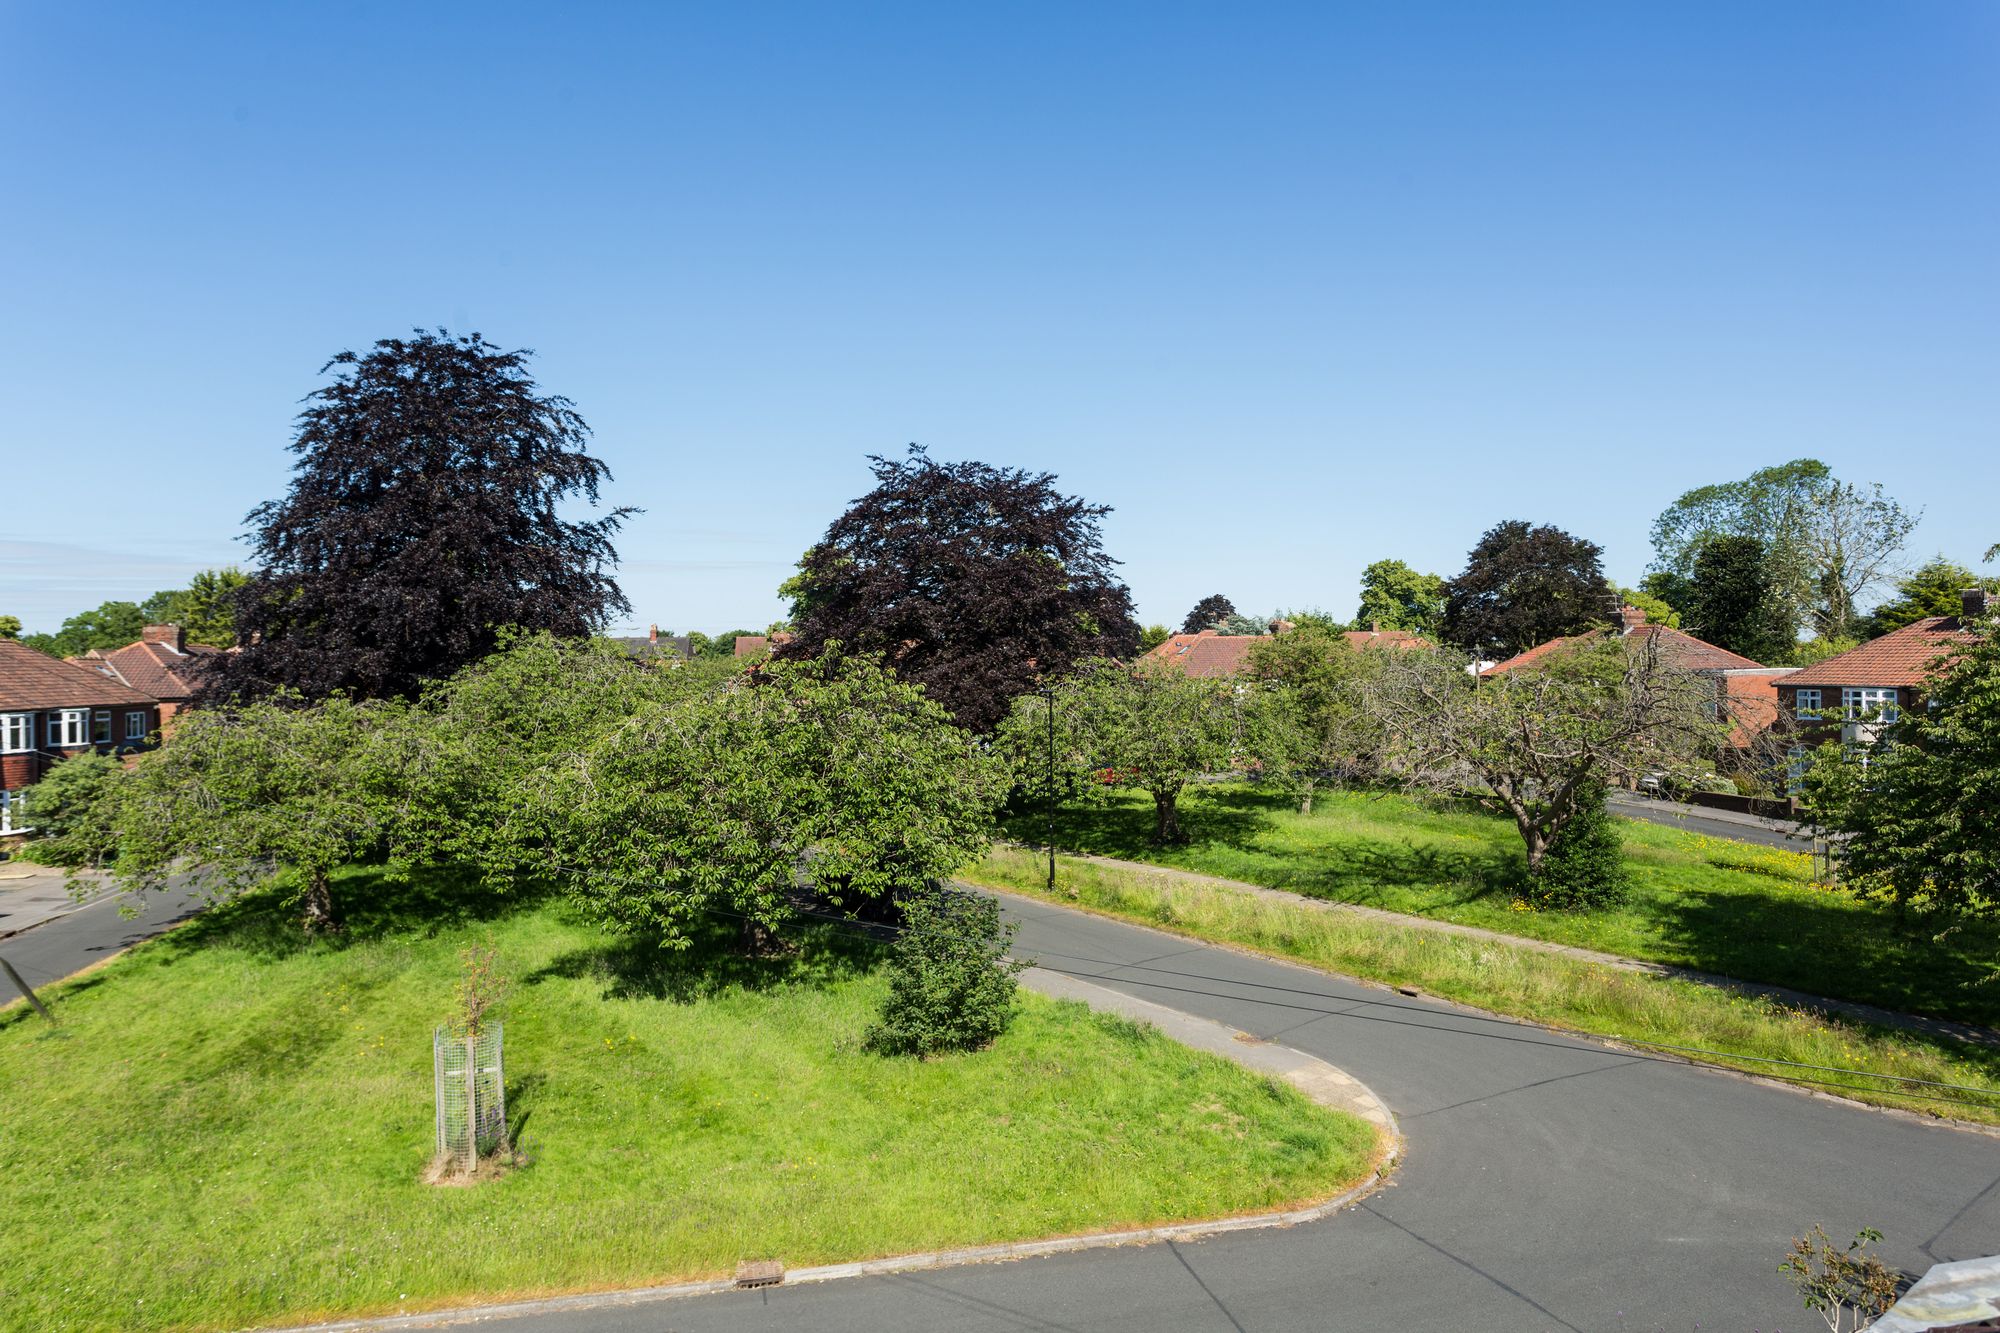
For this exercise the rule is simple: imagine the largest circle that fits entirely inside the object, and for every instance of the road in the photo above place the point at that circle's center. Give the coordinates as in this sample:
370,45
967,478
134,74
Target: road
1550,1184
1695,819
54,949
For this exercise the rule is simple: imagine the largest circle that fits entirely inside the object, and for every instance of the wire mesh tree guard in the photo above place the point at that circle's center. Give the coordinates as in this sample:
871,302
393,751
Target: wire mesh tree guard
471,1094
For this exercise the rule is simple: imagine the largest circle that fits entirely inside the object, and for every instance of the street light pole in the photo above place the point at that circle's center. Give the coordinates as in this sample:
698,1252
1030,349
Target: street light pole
1049,706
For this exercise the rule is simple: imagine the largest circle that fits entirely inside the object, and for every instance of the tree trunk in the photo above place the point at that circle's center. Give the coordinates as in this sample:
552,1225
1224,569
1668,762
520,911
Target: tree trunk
1306,800
1166,817
1537,841
318,905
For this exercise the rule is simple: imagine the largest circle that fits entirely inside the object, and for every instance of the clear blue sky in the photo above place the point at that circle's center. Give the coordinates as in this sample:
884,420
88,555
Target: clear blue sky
1292,287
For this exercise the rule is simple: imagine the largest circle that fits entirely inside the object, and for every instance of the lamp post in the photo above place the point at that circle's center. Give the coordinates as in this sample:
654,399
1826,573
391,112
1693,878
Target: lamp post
1049,707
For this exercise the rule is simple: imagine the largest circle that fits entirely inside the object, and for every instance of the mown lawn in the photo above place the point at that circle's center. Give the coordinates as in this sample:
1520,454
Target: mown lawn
1701,902
231,1124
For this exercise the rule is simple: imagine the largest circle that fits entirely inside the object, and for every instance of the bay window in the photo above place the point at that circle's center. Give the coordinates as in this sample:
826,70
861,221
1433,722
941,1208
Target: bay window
1869,703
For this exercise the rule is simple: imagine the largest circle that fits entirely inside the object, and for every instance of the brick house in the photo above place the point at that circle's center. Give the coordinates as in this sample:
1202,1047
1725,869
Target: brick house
50,710
1851,696
1212,656
162,664
655,646
1746,691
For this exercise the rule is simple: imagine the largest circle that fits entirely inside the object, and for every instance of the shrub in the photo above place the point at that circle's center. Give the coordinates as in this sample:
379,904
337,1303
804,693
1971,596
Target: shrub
73,810
1584,866
951,987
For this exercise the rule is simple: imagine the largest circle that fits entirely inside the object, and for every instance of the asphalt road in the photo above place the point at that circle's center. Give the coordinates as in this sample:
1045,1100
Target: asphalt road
54,949
1549,1184
1694,819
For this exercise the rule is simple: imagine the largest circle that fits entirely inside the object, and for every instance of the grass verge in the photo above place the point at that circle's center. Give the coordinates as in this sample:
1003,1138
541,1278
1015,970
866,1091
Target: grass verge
230,1125
1701,902
1525,983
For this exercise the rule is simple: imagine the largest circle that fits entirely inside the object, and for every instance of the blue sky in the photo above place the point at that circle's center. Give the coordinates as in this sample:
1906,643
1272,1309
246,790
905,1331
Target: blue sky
1293,288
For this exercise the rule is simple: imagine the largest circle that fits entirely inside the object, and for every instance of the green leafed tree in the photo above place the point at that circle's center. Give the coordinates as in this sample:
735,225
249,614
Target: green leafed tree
1307,719
1935,588
1535,743
1828,542
670,806
74,812
1209,612
111,625
1914,824
10,627
239,793
1735,601
205,609
1146,726
1152,636
1395,596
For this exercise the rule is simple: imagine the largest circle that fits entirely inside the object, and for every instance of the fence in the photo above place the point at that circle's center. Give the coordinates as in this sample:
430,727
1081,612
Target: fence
471,1094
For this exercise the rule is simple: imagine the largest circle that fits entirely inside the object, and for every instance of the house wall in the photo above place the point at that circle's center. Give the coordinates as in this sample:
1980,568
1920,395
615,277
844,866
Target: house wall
20,770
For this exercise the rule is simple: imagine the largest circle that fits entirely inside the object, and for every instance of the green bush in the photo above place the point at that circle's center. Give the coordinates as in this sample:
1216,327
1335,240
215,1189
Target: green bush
1584,866
950,985
72,811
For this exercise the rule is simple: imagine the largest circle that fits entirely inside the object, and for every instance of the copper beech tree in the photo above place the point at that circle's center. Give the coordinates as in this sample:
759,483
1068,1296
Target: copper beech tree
1540,743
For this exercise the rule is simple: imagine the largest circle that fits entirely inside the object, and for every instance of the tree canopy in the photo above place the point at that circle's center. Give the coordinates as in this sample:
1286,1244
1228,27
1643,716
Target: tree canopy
1915,822
1523,585
1308,719
1395,596
111,625
1828,542
1208,613
205,609
424,516
1935,588
969,579
1734,602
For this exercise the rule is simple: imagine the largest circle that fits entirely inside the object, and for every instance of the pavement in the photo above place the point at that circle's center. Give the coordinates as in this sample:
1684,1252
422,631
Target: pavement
31,894
55,945
1548,1183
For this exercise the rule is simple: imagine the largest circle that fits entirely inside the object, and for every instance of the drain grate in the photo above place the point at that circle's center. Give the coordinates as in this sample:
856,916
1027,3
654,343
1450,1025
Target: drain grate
759,1273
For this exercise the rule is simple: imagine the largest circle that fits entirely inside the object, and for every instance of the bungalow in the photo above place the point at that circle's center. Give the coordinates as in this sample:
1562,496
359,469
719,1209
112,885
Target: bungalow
162,664
1212,656
1851,696
1746,691
50,710
655,646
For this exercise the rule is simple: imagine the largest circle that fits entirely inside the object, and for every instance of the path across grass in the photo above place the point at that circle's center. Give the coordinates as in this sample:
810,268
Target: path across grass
230,1127
1703,903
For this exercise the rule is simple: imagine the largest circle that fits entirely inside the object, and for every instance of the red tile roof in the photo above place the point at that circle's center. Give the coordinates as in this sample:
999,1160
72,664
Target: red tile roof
1208,655
1901,658
30,680
1386,638
154,668
1681,650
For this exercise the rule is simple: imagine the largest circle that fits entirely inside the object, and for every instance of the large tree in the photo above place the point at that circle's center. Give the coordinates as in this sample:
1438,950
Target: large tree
1735,603
1209,612
1935,588
969,579
424,516
1915,823
1540,743
1523,585
205,609
1308,719
111,625
1395,596
1829,542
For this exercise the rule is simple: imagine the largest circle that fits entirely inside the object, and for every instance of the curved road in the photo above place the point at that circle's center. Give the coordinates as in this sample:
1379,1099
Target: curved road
1549,1184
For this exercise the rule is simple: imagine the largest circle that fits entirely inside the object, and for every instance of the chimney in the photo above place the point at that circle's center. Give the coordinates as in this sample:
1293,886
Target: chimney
1630,618
652,634
1973,603
167,636
1280,625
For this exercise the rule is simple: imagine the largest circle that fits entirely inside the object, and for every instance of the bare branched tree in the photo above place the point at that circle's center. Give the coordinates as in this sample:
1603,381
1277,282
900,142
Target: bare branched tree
1532,742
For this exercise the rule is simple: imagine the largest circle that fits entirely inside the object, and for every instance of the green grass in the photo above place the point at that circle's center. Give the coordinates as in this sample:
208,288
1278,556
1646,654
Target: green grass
1701,902
231,1124
1527,983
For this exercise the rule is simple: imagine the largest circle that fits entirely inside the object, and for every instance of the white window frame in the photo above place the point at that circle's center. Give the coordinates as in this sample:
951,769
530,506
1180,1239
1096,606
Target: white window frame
9,802
100,727
17,733
1858,702
1802,709
69,728
135,725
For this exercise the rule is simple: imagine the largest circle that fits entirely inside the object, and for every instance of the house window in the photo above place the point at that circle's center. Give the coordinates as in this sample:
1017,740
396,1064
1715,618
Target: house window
1806,703
1860,704
67,728
135,726
1797,761
14,811
100,727
17,732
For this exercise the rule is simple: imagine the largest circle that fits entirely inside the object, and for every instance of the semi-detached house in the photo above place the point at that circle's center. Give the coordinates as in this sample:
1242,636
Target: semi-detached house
50,710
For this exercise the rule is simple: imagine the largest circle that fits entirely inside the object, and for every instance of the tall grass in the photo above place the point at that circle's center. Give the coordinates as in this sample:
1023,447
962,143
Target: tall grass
1528,983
